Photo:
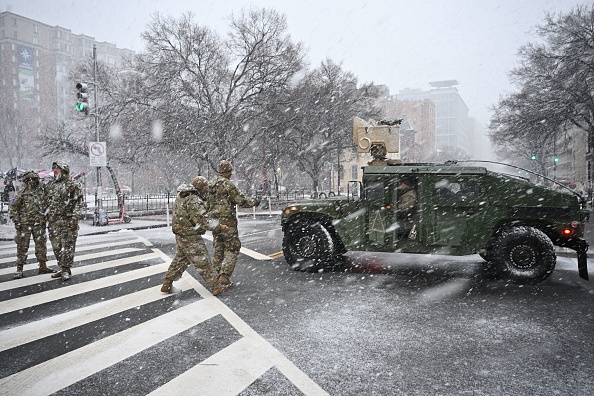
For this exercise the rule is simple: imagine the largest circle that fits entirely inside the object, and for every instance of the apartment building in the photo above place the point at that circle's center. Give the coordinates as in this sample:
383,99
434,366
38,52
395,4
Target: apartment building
36,83
36,60
452,126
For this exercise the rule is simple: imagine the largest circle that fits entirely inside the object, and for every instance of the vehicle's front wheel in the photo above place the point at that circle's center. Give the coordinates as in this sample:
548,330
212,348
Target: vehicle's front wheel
308,246
524,254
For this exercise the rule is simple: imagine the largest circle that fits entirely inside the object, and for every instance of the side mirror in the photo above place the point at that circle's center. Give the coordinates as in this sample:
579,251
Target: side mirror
354,190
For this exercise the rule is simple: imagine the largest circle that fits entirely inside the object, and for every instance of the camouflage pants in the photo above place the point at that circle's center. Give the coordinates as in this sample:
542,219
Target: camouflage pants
191,249
23,238
63,239
226,250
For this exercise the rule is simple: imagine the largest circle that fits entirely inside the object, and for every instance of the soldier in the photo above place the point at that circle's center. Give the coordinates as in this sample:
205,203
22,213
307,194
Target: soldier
65,202
222,198
28,216
407,202
189,223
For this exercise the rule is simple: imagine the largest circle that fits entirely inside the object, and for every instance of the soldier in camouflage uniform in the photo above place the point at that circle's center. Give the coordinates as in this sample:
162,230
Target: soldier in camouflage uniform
65,203
222,200
28,215
189,224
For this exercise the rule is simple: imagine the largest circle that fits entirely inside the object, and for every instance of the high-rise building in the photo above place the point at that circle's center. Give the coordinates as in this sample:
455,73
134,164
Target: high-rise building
36,61
452,127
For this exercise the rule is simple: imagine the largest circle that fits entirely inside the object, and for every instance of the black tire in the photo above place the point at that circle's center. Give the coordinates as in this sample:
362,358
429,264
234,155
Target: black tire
127,219
308,246
322,196
524,255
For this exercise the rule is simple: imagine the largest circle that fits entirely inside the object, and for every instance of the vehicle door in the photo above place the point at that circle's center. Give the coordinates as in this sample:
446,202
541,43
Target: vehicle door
458,210
381,219
351,223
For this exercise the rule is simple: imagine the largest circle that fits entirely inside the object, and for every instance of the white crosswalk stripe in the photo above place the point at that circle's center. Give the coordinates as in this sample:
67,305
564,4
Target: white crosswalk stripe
125,271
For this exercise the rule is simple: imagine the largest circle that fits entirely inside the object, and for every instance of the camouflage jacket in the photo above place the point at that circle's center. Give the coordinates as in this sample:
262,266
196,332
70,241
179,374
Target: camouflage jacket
64,200
222,198
406,203
29,205
189,215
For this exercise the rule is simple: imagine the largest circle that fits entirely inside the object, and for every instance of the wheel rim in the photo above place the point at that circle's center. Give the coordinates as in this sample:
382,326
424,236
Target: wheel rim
306,246
523,256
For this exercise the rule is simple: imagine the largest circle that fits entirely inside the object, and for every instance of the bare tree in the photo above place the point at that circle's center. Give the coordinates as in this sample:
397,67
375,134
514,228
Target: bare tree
208,92
556,83
326,100
18,133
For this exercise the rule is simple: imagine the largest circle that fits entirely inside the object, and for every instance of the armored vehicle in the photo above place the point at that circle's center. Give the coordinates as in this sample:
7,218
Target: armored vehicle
511,222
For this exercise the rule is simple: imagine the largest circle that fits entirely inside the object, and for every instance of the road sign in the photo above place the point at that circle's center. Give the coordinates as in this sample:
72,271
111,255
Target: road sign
98,153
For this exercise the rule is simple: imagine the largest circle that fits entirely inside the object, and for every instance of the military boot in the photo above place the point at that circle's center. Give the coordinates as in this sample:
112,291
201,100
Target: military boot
222,285
63,274
19,272
44,270
166,288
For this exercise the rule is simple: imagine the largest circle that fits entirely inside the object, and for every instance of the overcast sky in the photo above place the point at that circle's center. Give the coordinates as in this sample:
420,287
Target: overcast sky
402,44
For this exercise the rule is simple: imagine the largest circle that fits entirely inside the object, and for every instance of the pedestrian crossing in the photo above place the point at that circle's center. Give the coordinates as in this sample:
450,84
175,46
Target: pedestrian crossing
110,331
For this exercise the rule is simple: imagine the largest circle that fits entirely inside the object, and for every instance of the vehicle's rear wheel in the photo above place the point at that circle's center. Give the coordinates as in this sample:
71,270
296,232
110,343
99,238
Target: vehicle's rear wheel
524,254
308,246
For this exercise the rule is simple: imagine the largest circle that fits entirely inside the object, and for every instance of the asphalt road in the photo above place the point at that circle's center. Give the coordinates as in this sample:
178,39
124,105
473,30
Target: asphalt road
383,324
418,325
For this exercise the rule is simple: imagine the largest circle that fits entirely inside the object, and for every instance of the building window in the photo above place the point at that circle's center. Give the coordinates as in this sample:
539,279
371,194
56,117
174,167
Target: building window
35,29
355,172
15,35
35,41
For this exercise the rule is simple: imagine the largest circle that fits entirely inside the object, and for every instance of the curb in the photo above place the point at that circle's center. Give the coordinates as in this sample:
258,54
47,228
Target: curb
107,231
119,229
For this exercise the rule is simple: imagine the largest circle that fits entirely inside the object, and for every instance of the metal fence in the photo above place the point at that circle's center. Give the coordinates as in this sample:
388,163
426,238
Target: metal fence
158,203
137,204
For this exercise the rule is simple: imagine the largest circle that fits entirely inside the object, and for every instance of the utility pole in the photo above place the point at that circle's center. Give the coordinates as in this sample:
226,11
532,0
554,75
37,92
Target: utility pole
97,201
82,105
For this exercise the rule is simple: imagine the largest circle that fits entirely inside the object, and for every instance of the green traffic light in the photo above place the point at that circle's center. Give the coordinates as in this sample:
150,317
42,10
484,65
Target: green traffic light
533,157
82,107
556,159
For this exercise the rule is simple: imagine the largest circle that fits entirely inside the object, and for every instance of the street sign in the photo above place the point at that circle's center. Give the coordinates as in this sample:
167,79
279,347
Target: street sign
98,153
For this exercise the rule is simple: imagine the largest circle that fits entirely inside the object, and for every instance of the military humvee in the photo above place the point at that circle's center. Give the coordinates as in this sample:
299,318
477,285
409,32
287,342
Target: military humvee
512,223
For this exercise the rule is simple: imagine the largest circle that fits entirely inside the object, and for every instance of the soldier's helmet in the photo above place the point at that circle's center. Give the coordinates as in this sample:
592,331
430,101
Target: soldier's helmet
407,180
63,166
201,184
30,176
225,167
185,187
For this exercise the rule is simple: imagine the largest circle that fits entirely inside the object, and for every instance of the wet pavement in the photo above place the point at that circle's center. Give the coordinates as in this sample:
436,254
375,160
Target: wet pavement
86,227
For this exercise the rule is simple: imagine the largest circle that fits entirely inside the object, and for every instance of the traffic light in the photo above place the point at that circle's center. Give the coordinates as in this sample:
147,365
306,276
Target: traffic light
533,157
556,159
82,103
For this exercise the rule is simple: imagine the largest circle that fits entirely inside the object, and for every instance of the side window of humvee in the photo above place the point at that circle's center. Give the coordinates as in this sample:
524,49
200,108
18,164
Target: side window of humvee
455,189
374,191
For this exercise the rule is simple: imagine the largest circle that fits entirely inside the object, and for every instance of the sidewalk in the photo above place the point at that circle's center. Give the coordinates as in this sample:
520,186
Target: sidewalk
7,231
86,227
